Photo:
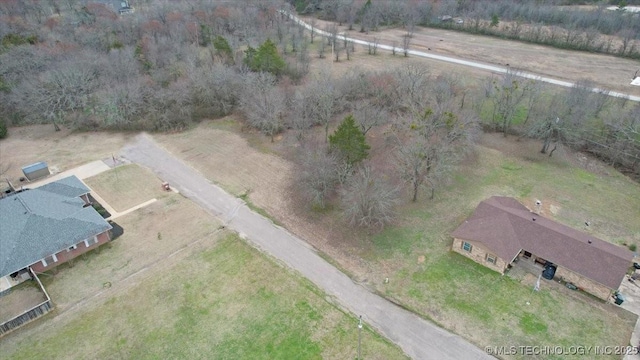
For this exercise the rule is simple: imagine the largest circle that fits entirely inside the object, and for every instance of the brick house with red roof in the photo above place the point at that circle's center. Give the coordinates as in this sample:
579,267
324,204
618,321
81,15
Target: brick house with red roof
502,230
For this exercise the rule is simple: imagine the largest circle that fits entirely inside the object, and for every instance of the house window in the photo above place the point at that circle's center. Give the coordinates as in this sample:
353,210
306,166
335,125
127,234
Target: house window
73,247
466,246
491,259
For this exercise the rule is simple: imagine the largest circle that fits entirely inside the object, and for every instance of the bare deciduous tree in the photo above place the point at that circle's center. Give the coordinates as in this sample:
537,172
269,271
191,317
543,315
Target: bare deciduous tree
406,42
412,86
59,91
508,93
368,200
318,174
321,100
428,146
215,89
262,103
369,115
314,23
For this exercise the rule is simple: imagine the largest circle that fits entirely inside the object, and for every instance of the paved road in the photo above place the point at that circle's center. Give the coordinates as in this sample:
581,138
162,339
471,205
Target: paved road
418,338
474,64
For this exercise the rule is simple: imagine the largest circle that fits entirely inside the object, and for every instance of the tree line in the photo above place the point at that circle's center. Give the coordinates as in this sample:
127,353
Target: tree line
81,65
400,131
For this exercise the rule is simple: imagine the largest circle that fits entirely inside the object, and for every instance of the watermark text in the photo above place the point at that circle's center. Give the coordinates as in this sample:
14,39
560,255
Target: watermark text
541,350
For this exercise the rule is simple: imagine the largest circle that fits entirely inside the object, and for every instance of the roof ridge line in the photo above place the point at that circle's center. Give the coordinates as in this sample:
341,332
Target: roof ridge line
24,204
566,227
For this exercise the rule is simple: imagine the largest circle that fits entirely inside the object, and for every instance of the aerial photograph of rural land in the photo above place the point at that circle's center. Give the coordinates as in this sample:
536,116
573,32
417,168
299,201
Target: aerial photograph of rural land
320,179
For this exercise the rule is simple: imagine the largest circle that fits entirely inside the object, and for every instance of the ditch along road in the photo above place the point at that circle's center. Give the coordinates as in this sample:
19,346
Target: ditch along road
417,337
452,60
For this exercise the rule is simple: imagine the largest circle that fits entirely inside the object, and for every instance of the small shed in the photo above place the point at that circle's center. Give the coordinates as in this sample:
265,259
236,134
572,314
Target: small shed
36,171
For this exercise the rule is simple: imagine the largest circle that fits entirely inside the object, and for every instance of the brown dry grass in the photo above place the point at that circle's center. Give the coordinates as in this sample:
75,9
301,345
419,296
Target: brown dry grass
20,299
150,235
232,161
607,71
126,186
62,150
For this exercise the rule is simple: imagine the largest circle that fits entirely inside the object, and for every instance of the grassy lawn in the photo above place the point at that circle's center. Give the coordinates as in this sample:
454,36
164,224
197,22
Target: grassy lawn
150,235
126,186
482,305
228,302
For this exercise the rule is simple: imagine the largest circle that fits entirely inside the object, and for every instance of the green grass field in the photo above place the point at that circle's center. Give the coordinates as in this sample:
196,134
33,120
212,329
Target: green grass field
482,305
228,302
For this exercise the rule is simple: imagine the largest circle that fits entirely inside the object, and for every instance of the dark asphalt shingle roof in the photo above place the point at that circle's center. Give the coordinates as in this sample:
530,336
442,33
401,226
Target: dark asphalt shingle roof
70,187
505,227
39,222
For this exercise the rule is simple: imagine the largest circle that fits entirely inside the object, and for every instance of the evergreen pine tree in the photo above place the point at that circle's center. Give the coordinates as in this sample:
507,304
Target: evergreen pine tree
349,141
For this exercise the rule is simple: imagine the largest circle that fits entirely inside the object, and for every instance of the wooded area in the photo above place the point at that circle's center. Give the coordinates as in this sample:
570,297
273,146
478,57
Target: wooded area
170,63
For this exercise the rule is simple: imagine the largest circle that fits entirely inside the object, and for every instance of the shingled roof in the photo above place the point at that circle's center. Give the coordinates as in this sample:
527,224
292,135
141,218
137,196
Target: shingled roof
506,227
70,187
43,221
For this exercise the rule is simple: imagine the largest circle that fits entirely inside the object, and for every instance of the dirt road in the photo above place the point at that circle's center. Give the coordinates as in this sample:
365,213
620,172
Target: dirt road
599,67
417,337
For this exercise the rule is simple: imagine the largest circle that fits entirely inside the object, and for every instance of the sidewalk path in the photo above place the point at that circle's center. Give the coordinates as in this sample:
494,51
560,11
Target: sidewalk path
82,172
417,337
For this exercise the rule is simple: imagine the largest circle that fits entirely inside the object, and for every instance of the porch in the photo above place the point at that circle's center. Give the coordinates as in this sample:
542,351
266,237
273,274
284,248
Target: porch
22,304
7,282
525,263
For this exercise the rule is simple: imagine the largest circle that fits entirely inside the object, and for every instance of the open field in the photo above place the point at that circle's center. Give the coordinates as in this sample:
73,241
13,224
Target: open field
226,302
462,296
126,186
607,71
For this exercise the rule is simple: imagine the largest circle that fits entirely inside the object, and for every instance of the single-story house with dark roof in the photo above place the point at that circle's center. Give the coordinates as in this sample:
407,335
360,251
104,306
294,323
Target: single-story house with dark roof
502,230
44,227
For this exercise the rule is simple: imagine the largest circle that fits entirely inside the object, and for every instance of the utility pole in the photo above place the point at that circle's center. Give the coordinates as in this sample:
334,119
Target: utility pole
359,336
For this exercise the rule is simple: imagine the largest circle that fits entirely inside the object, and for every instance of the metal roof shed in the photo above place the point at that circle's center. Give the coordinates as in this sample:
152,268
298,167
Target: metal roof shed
36,171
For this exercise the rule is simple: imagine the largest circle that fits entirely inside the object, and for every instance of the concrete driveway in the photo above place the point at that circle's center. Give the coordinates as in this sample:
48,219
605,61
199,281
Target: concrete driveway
631,292
418,338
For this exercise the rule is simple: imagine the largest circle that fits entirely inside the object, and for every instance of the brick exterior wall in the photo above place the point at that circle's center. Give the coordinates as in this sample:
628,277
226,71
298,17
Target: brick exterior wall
66,255
479,254
587,285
